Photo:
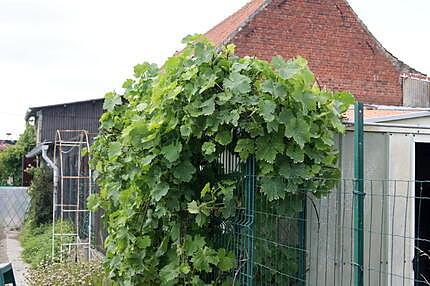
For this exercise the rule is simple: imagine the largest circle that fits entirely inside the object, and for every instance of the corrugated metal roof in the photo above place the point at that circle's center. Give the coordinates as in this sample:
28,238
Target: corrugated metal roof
383,113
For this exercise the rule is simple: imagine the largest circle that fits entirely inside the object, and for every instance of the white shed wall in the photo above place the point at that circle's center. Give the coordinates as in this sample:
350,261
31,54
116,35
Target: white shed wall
388,215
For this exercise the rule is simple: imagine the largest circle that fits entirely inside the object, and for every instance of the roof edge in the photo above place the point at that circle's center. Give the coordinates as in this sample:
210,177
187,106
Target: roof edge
399,117
32,110
243,24
246,22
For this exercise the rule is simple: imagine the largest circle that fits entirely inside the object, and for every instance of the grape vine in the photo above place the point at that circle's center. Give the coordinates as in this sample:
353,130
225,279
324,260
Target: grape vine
156,156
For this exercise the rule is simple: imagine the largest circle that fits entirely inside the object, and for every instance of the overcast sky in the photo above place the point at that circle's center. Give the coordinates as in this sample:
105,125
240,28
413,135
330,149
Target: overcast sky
54,51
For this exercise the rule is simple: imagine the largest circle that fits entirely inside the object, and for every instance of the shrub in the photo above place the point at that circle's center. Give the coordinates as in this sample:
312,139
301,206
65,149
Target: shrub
40,191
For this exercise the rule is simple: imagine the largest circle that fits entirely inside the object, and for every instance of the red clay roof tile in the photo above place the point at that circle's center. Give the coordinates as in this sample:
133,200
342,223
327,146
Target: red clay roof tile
221,33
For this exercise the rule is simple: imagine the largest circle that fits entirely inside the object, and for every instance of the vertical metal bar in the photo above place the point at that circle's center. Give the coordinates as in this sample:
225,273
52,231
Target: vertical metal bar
371,237
250,204
326,241
302,243
358,194
90,191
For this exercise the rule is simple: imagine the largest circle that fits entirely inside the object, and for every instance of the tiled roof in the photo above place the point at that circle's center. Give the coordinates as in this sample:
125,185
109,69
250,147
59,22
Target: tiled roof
224,31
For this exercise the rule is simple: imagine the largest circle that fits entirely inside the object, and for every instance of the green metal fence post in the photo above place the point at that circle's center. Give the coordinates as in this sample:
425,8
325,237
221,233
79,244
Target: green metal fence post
302,245
358,194
250,205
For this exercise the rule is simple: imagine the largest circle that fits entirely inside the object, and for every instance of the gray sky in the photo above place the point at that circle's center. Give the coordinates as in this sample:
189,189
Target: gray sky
54,51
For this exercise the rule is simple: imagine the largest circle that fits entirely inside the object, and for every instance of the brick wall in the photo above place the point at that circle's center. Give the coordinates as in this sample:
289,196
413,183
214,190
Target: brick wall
340,51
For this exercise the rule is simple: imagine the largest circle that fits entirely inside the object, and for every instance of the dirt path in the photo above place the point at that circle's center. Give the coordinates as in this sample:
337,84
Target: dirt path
13,251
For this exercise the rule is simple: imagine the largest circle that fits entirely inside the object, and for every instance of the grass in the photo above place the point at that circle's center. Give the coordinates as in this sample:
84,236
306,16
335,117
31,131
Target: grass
36,243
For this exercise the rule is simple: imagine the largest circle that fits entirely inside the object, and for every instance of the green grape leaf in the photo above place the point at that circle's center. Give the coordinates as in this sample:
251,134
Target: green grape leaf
143,241
184,171
208,148
208,107
296,153
226,260
268,147
307,99
298,129
172,151
114,149
159,191
267,109
184,268
224,137
93,202
287,69
203,258
169,273
192,245
112,99
185,130
274,188
244,147
193,208
238,83
274,88
206,190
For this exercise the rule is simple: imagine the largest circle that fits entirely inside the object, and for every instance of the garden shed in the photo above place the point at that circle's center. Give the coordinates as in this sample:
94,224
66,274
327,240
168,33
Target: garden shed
396,191
65,116
63,131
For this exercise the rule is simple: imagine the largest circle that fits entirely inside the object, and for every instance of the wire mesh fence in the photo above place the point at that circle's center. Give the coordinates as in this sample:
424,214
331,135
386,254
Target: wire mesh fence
14,203
306,239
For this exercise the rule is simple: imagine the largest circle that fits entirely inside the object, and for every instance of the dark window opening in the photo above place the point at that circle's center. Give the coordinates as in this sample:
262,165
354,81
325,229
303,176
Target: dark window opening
422,214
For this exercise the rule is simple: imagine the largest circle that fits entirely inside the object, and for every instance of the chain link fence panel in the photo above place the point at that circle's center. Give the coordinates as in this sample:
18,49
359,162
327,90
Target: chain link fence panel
14,203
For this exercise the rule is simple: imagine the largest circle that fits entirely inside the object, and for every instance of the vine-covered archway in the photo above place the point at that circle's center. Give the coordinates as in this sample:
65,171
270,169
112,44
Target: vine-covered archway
156,156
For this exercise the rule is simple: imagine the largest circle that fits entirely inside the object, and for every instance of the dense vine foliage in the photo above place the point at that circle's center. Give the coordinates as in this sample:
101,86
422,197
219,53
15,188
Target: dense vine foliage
156,156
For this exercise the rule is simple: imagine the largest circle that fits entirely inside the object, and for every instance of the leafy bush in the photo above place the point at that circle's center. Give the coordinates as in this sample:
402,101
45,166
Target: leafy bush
11,157
37,242
68,274
40,191
156,156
